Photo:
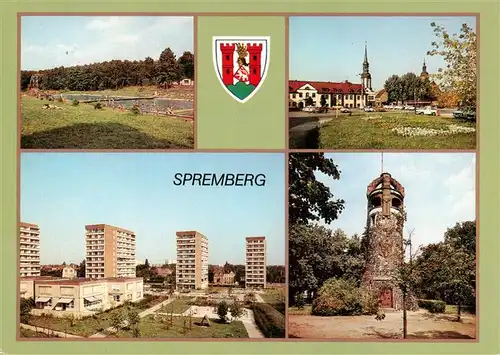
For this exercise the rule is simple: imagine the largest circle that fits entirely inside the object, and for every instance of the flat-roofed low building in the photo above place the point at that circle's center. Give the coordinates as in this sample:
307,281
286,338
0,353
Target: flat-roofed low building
84,297
27,285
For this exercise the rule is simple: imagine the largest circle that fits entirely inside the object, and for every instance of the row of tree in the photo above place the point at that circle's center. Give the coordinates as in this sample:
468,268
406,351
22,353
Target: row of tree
115,74
408,87
457,80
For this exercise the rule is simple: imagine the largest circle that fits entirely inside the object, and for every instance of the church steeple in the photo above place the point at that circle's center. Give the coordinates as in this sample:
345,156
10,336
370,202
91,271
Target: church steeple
366,55
424,74
366,77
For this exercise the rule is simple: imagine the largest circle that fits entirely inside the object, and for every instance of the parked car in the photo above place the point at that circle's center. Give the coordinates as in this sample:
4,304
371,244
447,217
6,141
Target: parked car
309,109
428,110
345,110
466,113
368,109
322,109
409,108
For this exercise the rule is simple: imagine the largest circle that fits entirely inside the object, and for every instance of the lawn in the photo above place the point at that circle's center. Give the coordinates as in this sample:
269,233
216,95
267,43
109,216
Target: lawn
376,131
180,305
28,333
149,328
273,295
90,325
84,327
83,127
306,310
143,91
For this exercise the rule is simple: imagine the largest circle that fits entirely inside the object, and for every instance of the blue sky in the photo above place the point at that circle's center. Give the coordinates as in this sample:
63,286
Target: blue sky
51,41
439,187
332,48
63,192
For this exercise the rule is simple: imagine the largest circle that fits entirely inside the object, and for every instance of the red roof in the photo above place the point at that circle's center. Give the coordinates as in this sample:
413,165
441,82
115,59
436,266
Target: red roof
326,87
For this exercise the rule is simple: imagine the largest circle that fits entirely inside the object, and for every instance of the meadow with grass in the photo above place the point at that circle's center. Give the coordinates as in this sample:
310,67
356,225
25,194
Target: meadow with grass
65,125
388,130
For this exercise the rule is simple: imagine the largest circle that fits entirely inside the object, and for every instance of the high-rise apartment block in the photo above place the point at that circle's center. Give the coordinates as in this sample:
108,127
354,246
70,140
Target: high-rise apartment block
29,250
192,261
255,262
110,252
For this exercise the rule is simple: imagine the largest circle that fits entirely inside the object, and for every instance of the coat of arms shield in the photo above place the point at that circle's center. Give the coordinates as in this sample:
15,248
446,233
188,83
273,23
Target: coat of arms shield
241,64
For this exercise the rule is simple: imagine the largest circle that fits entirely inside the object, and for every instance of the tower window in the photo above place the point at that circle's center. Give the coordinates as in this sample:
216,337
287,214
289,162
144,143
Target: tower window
255,71
376,202
396,203
254,57
373,218
227,71
228,57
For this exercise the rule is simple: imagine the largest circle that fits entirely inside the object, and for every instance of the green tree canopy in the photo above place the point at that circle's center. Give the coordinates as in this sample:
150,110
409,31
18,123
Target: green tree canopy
310,199
459,51
317,254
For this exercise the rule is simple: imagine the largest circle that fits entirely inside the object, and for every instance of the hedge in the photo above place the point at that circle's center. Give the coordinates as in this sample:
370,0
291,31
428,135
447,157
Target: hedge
270,322
433,306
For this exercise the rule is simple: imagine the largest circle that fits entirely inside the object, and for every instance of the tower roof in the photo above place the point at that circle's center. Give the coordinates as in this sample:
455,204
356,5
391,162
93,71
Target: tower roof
424,70
366,54
394,184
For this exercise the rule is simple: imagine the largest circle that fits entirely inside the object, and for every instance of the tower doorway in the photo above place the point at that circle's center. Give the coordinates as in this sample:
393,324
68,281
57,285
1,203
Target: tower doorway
386,298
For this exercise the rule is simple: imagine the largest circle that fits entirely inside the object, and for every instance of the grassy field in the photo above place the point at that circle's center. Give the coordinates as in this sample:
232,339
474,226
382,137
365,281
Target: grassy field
28,333
390,131
180,305
83,127
144,91
83,327
273,295
149,328
304,311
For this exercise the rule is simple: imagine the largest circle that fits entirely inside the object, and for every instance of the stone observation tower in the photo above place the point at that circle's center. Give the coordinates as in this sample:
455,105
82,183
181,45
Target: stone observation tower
384,239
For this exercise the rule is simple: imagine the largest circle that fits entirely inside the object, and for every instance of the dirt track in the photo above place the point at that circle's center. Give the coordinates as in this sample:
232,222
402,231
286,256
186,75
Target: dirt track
421,324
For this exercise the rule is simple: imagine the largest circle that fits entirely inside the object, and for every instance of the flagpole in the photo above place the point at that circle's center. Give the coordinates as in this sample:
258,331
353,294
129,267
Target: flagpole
382,164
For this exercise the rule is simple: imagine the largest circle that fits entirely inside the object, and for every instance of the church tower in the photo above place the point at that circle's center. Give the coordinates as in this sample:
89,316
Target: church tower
366,77
384,240
424,74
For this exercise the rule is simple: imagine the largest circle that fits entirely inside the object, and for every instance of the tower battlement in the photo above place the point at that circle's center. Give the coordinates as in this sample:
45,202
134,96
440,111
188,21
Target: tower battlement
225,47
254,47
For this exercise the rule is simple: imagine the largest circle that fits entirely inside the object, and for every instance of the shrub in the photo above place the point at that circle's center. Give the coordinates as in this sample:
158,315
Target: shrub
76,102
249,298
222,310
338,297
370,301
98,106
236,310
270,322
433,306
280,307
60,99
135,110
300,302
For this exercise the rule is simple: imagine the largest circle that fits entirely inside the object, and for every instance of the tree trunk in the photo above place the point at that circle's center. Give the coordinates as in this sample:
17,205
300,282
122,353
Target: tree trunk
459,312
405,320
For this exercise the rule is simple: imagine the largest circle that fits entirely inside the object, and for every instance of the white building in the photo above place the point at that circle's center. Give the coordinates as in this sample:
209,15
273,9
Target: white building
255,262
192,261
110,252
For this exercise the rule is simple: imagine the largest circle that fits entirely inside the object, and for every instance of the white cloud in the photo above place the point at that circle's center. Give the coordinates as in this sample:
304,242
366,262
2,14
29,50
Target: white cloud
108,38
